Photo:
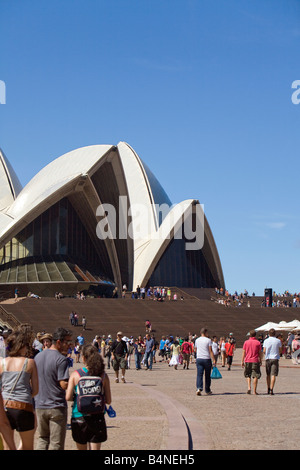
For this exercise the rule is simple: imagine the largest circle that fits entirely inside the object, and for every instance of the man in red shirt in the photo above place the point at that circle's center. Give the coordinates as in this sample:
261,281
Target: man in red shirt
251,361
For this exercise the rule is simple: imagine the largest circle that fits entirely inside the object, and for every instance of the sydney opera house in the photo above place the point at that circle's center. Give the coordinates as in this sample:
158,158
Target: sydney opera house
97,218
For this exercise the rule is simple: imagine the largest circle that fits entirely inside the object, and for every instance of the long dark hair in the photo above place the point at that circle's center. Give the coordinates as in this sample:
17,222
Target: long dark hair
93,360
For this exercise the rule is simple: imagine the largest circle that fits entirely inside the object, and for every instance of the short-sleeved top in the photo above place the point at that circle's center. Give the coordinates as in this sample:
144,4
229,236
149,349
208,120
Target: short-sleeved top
229,348
252,348
119,348
186,348
202,345
272,346
149,345
52,367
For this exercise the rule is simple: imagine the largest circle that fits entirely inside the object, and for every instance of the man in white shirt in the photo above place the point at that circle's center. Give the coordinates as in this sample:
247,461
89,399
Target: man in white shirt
204,360
272,348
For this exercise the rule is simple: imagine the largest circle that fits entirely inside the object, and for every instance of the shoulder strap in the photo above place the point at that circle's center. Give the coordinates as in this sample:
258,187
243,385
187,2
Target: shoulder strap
25,364
81,372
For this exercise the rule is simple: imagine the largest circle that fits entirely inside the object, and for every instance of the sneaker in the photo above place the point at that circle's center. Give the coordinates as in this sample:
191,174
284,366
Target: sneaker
198,392
123,380
117,381
209,393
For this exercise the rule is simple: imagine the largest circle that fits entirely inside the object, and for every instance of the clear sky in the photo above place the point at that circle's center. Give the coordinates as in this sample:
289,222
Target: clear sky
201,89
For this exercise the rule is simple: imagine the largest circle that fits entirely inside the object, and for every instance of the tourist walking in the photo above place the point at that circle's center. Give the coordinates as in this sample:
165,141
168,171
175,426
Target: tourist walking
251,361
229,349
215,348
149,348
108,352
162,349
222,349
204,361
119,355
186,351
175,351
139,349
19,385
295,349
272,349
51,406
89,430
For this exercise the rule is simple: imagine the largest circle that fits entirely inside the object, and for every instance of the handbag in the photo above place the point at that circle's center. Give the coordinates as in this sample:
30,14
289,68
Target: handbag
215,373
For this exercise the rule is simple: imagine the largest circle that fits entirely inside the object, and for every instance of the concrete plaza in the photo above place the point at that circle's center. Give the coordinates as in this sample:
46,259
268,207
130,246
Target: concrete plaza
159,410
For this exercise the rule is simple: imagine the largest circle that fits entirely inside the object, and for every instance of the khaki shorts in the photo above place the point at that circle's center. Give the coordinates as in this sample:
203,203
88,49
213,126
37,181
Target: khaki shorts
119,362
272,367
252,370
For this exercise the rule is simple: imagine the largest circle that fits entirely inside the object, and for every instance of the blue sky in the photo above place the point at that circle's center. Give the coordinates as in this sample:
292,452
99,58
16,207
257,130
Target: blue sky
201,89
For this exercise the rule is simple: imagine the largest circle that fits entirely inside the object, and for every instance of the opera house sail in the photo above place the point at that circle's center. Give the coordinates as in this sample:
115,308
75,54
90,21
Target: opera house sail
96,218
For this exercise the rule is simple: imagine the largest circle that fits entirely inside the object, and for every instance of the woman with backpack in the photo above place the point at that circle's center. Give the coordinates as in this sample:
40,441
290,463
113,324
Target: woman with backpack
88,422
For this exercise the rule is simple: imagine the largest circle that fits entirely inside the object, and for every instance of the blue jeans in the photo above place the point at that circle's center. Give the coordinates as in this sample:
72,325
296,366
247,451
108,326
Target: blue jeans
203,367
148,357
137,357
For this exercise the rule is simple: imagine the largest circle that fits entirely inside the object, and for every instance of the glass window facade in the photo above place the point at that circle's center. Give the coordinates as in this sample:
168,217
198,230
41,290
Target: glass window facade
182,268
57,232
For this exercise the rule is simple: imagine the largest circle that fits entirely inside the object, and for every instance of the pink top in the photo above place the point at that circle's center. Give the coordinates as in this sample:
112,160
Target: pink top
252,348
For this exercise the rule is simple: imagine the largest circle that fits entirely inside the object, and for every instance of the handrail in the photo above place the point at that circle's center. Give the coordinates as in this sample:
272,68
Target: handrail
8,318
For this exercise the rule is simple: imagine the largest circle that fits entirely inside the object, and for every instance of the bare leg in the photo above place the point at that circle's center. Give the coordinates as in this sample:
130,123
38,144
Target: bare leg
27,440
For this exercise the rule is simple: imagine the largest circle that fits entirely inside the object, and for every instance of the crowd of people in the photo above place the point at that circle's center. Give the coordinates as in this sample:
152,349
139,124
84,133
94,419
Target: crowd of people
37,383
158,293
285,300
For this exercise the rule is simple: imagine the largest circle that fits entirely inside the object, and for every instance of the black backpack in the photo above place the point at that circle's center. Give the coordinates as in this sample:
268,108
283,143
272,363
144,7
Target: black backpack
90,394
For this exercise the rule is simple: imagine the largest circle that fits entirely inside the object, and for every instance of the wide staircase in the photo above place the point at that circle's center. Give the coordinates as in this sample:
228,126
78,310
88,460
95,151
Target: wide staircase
200,308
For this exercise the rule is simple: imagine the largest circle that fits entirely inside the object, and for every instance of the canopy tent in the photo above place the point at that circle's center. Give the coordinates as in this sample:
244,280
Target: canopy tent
267,326
289,326
281,326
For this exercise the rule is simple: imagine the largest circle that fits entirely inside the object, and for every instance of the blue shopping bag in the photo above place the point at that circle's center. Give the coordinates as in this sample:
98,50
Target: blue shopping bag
215,373
110,411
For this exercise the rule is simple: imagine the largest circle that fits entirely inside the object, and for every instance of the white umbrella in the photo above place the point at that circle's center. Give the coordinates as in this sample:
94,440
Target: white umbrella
267,326
292,325
284,326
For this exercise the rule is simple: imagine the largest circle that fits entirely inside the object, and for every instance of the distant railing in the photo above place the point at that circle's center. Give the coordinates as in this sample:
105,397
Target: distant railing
8,319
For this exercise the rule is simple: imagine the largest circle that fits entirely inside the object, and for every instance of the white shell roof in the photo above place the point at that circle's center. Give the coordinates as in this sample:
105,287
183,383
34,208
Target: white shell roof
51,179
55,179
55,175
